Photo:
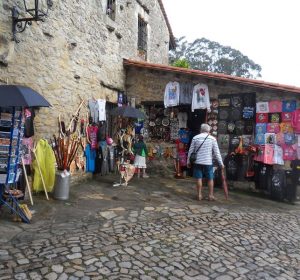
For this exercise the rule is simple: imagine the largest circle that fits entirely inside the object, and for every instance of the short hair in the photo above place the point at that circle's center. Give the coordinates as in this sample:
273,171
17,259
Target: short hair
205,127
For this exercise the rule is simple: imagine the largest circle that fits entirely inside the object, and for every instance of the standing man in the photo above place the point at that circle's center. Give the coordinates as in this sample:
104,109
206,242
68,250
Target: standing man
203,167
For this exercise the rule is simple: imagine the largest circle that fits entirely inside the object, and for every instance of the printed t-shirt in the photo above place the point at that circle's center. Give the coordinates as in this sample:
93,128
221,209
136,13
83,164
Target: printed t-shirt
296,121
289,138
278,155
288,152
286,128
274,117
261,118
273,127
286,116
289,105
270,138
275,106
182,118
268,154
261,128
92,134
280,138
260,139
262,107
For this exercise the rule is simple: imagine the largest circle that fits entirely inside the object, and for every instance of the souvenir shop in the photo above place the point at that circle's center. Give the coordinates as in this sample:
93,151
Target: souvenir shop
258,140
83,143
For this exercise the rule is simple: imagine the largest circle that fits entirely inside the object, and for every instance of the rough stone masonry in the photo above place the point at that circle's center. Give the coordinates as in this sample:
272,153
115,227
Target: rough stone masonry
77,52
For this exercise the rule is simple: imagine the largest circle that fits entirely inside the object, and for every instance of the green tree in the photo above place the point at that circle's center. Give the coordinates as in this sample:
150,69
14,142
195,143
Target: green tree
181,62
206,55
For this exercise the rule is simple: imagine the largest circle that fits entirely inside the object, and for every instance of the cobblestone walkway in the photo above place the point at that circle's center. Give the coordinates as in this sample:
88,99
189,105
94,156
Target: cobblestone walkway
191,242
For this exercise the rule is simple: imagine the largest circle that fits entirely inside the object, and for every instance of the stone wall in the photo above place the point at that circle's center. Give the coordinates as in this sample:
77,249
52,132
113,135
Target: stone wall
149,85
77,52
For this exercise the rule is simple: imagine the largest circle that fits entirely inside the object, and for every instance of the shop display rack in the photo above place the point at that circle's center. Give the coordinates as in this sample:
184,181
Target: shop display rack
11,133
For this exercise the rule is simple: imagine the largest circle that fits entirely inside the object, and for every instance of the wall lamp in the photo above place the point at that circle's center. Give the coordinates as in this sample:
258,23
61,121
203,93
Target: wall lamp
38,11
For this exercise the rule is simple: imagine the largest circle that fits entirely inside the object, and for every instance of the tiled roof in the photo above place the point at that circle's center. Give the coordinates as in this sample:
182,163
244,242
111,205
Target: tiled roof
172,38
210,75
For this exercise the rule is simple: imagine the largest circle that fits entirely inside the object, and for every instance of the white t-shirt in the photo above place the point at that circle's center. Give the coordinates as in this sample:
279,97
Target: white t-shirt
182,118
101,108
278,155
200,97
171,97
262,107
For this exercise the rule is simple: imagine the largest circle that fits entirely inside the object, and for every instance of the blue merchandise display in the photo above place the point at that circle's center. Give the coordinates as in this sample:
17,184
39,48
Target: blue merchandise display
11,133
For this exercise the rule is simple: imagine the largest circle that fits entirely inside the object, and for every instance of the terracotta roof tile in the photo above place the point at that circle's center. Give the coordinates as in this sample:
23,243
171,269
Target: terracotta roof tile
211,75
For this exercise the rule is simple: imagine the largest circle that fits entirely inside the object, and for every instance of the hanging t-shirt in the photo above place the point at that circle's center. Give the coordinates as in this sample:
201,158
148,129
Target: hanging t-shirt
289,105
248,113
296,120
120,99
273,127
270,138
275,106
261,118
90,155
92,134
94,110
186,93
289,152
274,117
200,97
101,108
279,138
138,127
184,136
262,107
268,154
28,125
182,119
278,155
286,116
286,128
260,139
289,138
171,97
261,128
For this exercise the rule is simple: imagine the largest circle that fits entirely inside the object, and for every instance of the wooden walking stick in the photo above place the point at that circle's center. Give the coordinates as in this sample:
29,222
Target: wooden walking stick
40,171
26,179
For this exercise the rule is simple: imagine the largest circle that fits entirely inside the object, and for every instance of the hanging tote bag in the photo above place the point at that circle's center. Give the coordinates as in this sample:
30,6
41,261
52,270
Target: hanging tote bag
193,155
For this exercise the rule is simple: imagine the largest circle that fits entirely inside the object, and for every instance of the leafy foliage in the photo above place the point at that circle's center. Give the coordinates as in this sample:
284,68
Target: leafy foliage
206,55
181,62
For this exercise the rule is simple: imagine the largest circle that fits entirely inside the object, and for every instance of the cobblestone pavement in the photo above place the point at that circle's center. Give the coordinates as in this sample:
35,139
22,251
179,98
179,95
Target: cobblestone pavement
166,239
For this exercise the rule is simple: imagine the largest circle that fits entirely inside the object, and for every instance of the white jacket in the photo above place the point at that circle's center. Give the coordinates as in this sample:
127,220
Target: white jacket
171,97
200,97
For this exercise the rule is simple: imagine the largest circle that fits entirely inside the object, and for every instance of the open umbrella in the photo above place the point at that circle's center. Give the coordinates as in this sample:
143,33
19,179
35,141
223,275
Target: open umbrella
20,96
127,112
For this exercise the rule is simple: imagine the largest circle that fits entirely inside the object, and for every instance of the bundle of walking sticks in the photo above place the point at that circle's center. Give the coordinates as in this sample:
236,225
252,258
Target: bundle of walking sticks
66,145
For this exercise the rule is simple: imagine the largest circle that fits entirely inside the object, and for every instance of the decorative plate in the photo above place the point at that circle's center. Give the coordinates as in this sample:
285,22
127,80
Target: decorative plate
236,101
158,121
165,122
231,127
215,103
151,123
223,114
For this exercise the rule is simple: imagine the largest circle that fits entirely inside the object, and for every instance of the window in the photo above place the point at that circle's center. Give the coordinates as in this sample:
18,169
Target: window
111,9
142,35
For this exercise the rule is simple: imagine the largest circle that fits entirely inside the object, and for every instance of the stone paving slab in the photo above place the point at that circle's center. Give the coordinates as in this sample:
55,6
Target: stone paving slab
165,234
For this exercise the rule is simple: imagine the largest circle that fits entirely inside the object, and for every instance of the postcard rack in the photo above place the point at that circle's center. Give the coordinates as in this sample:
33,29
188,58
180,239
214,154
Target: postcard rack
11,133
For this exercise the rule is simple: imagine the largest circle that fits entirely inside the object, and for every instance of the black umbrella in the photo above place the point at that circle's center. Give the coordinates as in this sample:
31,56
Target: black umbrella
127,112
19,96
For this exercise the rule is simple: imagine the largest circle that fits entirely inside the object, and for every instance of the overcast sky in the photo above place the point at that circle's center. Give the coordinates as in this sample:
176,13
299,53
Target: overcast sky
267,31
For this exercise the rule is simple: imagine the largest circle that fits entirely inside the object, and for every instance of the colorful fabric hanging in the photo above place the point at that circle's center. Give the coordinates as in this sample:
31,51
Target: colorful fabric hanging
46,159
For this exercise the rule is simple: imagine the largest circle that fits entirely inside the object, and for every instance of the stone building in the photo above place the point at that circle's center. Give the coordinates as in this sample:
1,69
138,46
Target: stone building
78,51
